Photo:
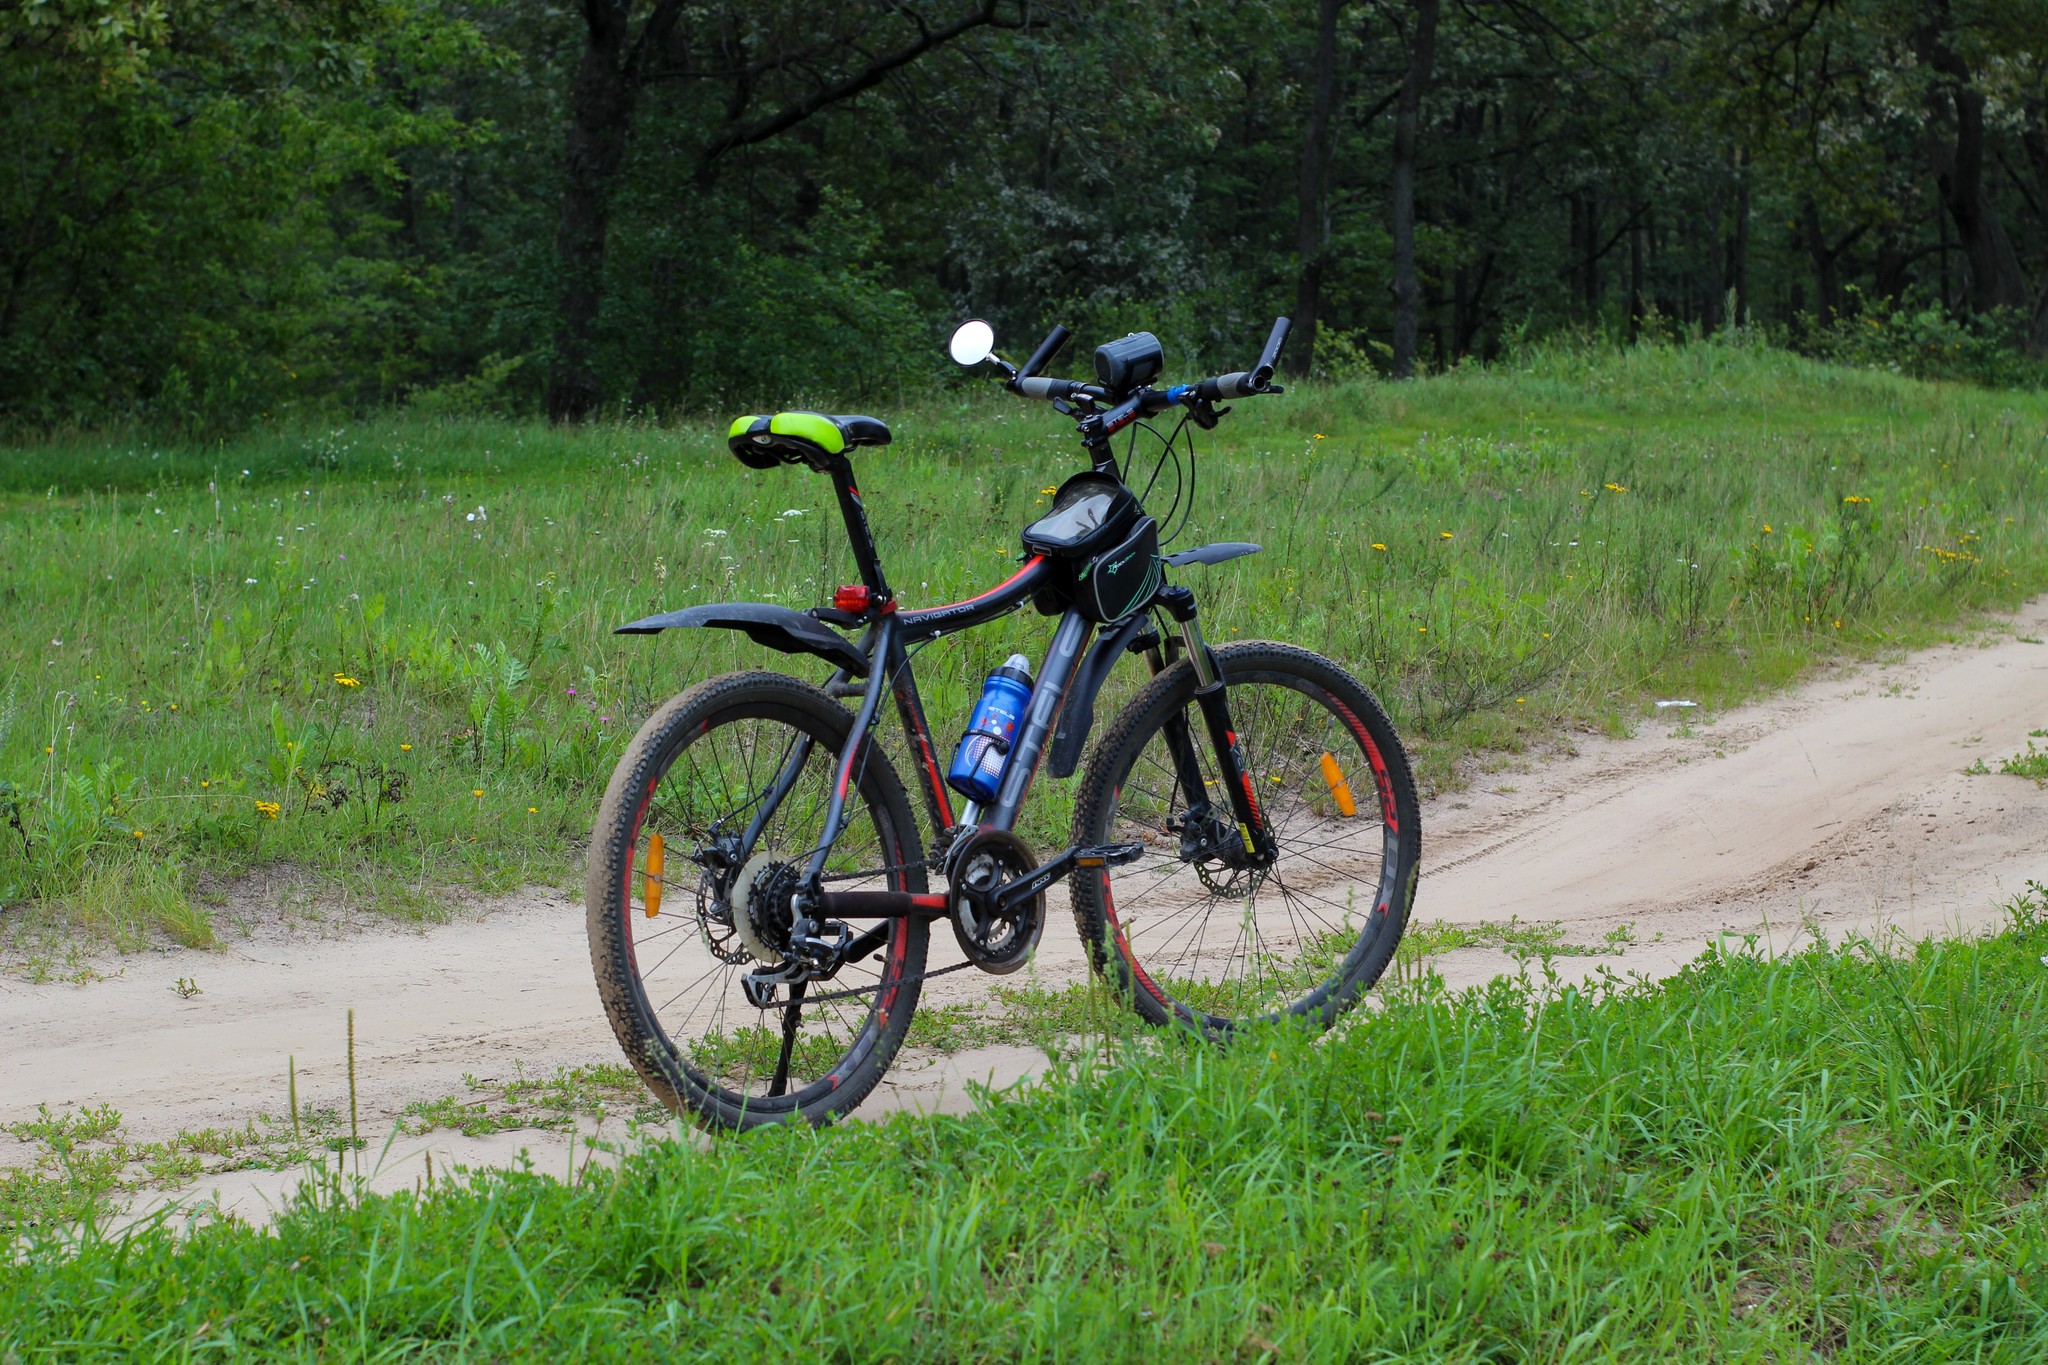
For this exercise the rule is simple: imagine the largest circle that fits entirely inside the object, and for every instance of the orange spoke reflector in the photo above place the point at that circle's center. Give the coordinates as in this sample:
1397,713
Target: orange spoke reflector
1339,788
650,881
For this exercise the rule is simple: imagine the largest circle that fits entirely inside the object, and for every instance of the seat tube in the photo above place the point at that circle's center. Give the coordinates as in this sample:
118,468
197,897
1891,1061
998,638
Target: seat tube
854,513
1040,714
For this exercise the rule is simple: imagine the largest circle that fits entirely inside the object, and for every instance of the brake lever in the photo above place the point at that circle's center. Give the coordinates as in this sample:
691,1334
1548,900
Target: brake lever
1205,414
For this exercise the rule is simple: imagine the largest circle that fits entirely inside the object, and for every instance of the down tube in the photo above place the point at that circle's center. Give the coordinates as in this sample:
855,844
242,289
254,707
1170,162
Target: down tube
1040,716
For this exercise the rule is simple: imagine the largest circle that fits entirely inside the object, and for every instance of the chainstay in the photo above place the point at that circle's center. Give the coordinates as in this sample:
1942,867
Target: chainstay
870,990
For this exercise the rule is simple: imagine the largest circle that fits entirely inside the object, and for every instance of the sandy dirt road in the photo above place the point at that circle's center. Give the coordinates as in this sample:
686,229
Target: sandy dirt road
1842,806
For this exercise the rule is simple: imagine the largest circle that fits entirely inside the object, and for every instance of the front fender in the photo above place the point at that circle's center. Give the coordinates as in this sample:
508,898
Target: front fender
1077,717
764,623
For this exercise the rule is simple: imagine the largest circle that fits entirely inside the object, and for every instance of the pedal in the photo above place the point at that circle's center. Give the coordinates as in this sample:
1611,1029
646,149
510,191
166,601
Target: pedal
1108,855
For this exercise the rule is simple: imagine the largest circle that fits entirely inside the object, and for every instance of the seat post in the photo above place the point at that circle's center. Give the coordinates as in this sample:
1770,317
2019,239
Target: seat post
857,533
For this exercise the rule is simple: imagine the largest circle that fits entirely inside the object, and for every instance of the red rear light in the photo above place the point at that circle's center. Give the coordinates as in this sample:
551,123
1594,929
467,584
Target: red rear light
853,597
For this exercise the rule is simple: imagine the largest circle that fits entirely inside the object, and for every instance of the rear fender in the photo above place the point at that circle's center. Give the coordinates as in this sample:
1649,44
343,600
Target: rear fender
779,628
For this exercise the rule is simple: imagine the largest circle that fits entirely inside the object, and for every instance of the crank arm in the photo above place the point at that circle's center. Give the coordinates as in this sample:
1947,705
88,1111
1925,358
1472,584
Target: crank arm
1010,895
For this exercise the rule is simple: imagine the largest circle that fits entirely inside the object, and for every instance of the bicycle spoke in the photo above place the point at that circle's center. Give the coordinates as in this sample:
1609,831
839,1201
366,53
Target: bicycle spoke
1228,940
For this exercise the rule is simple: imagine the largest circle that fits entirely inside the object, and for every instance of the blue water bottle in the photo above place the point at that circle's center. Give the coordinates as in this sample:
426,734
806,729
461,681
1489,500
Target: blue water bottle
977,771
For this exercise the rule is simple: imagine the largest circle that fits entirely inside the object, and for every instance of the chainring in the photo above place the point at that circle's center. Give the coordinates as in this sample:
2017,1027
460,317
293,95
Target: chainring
979,866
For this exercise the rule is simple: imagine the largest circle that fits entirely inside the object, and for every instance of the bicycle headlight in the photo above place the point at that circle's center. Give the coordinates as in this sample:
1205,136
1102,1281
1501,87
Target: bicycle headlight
1129,362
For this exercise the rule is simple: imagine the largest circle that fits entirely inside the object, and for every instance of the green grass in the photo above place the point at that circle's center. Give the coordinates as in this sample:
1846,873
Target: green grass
2032,765
173,710
1838,1155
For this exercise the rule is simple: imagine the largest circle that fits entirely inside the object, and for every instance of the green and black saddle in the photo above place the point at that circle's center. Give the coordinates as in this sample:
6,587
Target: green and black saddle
808,438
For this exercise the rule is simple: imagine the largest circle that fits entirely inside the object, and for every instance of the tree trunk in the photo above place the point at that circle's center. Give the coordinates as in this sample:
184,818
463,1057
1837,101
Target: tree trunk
600,118
1717,282
1824,283
1738,242
1590,283
1955,146
1469,313
1407,129
1312,223
1635,275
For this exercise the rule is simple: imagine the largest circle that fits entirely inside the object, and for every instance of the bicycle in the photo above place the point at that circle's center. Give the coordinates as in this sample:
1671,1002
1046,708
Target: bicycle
760,899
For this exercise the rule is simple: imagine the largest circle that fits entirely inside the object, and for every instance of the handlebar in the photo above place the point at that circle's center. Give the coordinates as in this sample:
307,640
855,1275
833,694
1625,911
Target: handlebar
1241,384
1047,349
1037,386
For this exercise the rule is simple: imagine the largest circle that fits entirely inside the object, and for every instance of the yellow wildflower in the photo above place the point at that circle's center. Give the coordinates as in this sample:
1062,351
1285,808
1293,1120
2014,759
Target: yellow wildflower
533,810
1444,534
1049,490
479,791
1616,488
1767,530
136,832
1377,546
346,681
1319,436
405,748
268,809
1854,501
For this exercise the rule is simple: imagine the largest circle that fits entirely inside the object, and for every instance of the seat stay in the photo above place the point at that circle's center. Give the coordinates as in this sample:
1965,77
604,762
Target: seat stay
883,646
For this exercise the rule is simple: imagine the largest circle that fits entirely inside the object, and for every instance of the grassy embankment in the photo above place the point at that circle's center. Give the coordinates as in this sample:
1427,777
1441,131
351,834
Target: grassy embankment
378,656
1838,1155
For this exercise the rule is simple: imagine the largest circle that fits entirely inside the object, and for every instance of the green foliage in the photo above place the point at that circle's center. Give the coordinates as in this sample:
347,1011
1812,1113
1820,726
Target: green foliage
2033,764
1834,1153
225,214
193,222
1925,340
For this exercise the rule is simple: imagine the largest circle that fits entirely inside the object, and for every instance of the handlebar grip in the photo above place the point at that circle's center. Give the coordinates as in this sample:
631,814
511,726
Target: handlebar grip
1262,373
1035,386
1047,349
1243,384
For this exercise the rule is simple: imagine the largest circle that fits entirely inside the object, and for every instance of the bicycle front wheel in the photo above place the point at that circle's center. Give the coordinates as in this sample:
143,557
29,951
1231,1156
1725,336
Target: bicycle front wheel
1188,932
671,939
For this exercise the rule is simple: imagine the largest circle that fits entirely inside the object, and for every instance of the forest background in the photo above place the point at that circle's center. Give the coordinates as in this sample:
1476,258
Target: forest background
221,213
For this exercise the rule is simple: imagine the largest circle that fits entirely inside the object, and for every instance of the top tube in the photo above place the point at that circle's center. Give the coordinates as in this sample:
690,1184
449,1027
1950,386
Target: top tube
1004,598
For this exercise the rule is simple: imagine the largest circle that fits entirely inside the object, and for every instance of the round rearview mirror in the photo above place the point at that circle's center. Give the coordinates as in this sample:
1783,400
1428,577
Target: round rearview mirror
974,342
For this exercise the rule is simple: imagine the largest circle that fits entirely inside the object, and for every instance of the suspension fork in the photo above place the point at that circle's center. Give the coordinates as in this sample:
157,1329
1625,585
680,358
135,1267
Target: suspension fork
1213,699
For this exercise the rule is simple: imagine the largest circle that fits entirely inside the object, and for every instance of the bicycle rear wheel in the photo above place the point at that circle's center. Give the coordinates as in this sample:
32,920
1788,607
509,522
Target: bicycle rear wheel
669,964
1188,933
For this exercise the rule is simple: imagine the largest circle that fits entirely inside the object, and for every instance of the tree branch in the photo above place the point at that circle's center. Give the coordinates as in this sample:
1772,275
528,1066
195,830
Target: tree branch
736,135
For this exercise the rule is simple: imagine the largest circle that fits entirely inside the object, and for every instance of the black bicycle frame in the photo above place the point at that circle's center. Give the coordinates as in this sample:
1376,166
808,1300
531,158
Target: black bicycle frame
890,634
